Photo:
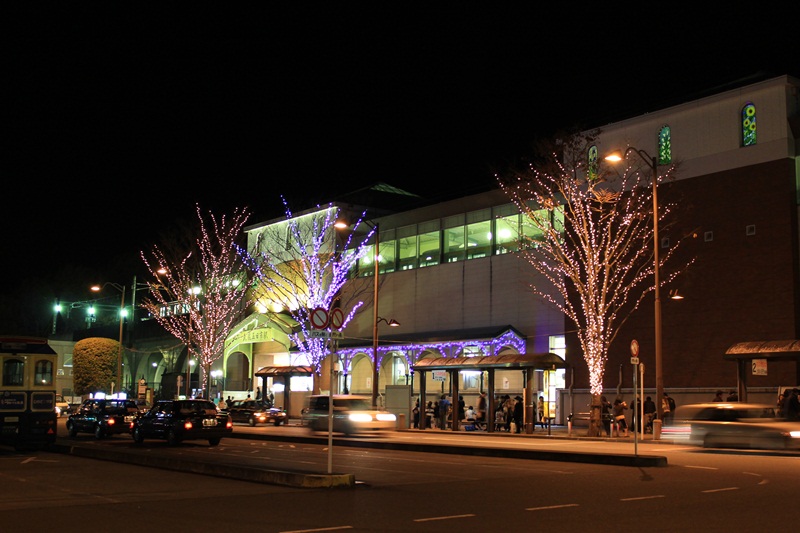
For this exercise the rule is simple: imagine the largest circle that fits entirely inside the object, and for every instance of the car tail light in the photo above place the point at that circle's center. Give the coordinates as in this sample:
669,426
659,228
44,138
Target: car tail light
229,422
111,422
187,425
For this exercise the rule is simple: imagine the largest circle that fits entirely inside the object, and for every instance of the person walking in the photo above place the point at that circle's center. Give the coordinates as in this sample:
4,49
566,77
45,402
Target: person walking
480,412
619,416
519,413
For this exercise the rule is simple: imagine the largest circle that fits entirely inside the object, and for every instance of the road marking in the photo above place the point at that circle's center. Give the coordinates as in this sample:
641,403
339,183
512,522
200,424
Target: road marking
547,508
434,518
721,490
642,498
337,528
701,467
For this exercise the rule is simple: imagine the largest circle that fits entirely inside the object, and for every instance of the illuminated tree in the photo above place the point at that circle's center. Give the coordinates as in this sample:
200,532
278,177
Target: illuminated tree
199,289
301,264
589,232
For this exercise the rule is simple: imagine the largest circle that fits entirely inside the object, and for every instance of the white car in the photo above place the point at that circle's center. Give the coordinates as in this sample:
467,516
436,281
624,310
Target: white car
733,425
62,406
351,414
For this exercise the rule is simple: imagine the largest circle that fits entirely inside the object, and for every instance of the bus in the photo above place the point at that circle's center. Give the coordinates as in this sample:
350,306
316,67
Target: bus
27,392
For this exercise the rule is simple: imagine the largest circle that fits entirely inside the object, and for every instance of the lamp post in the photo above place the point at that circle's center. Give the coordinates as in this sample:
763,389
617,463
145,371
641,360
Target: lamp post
652,162
121,288
375,366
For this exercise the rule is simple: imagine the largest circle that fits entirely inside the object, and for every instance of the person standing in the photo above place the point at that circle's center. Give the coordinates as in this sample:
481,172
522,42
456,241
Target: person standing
258,394
416,414
519,413
540,411
429,415
605,414
732,397
508,411
718,397
444,408
668,406
649,414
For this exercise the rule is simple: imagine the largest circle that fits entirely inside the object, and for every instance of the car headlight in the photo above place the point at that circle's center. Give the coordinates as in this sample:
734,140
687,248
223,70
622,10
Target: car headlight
794,434
360,417
386,417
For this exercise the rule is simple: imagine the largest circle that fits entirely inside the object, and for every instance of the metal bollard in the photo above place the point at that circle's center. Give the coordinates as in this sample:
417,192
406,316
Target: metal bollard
401,421
656,429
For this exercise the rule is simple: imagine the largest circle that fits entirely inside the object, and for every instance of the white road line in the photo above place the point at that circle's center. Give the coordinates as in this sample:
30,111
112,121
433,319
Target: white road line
434,518
720,490
653,497
701,467
337,528
547,508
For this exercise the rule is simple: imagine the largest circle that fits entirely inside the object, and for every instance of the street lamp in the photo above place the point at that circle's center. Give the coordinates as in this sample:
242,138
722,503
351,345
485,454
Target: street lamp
652,162
122,313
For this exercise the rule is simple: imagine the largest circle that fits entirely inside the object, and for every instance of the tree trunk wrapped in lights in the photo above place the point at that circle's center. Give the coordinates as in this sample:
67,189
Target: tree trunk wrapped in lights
588,231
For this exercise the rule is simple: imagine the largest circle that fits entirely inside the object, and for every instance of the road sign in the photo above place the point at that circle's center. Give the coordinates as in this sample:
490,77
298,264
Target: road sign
337,318
635,350
325,334
319,318
634,360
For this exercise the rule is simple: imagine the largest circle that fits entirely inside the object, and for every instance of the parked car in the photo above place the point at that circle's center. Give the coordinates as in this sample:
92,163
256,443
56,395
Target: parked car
179,420
733,425
351,414
253,412
62,406
103,417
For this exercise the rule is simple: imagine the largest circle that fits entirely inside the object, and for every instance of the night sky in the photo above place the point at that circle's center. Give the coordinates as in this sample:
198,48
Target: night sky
121,119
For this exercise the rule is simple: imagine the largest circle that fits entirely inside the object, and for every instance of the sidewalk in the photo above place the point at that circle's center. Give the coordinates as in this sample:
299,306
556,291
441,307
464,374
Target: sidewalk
552,432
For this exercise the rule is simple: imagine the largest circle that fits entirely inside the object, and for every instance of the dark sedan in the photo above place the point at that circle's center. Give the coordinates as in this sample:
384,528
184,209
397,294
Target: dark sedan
253,413
180,420
103,417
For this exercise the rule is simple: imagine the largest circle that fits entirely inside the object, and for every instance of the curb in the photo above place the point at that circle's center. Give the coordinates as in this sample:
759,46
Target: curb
232,471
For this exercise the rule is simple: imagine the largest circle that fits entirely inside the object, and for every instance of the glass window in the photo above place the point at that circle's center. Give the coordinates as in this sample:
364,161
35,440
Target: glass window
479,239
453,238
749,124
407,248
506,234
386,256
664,146
429,249
13,372
453,244
44,373
366,265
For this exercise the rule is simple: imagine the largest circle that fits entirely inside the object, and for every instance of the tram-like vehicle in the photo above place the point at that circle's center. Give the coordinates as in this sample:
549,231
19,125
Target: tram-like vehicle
27,392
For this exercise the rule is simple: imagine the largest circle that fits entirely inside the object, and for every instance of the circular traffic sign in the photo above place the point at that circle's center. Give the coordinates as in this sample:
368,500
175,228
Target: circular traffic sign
337,318
634,348
319,318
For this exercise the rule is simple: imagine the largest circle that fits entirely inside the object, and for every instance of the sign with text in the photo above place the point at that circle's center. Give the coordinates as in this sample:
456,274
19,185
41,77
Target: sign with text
759,367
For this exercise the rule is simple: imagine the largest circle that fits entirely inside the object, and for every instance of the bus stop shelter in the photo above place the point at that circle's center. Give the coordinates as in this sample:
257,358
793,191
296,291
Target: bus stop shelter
744,354
526,363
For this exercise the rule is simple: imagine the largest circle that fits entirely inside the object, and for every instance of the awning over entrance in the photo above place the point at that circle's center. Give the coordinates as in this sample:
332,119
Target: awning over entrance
274,371
786,350
542,361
